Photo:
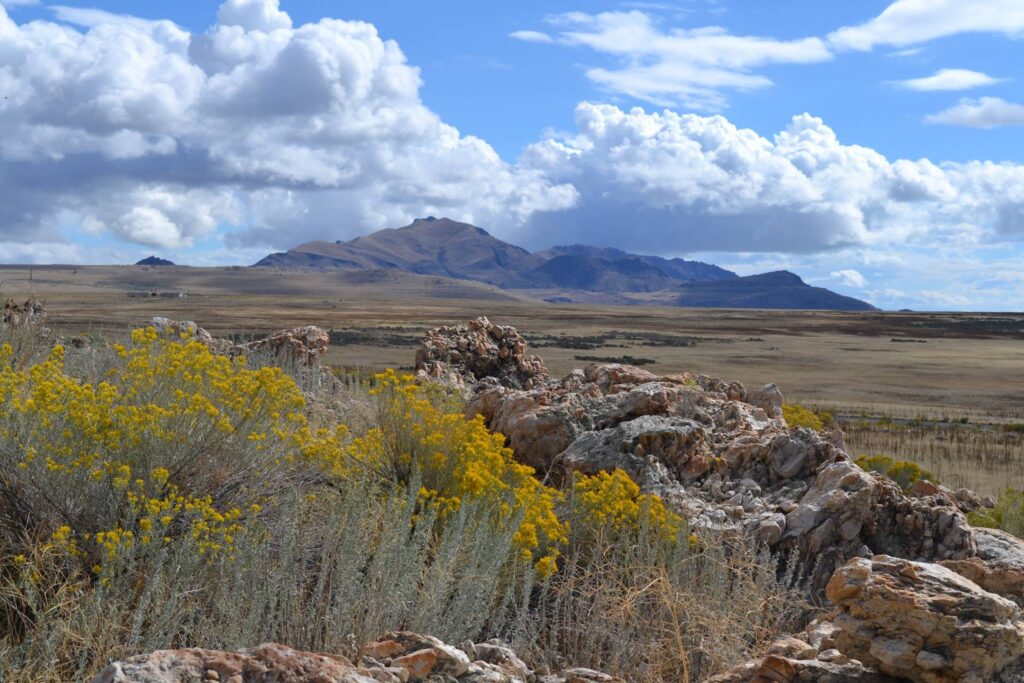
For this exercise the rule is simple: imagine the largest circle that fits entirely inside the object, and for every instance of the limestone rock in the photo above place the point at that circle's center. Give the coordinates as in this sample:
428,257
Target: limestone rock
304,345
923,622
998,566
30,311
269,663
398,657
476,351
723,462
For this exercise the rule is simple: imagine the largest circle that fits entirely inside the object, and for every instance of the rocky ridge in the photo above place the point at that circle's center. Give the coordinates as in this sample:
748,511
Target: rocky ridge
304,345
398,657
918,593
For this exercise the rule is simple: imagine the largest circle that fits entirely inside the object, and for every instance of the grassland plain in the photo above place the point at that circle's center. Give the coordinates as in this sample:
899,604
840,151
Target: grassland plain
923,370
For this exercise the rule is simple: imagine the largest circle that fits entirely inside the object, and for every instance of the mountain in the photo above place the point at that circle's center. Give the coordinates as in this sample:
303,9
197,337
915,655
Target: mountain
154,261
778,289
441,246
447,248
429,246
615,260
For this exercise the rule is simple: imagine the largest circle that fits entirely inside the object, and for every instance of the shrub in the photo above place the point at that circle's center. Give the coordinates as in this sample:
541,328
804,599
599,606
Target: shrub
903,472
797,415
161,496
174,440
608,507
1008,514
419,435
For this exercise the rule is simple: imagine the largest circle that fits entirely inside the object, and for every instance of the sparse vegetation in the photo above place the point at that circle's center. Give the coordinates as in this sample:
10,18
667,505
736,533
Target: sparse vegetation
626,360
1008,514
979,457
903,472
147,486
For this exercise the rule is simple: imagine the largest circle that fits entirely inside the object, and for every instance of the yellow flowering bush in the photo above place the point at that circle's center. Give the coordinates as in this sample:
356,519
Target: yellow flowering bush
797,415
420,437
610,504
166,444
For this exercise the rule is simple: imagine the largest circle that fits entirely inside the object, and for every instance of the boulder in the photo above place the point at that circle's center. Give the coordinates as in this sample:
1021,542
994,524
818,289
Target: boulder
304,345
923,622
477,351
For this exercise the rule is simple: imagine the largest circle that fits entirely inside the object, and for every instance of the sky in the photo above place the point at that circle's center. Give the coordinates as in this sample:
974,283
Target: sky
875,148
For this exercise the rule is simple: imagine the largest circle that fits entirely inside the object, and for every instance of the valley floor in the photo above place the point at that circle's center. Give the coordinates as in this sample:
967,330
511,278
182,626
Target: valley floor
901,365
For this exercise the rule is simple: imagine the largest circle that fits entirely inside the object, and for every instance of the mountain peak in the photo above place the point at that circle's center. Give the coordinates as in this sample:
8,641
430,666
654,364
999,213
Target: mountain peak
154,261
450,248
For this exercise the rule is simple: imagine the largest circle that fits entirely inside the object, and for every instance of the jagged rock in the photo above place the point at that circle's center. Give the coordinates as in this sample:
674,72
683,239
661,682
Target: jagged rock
923,621
29,311
398,657
998,566
268,663
722,462
192,332
304,345
478,350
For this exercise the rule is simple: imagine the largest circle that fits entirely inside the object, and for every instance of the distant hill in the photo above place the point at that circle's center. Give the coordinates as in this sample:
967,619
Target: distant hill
443,247
154,261
778,289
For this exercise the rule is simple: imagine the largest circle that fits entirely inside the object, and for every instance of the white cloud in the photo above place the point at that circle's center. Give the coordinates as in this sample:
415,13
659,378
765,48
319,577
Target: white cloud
157,136
850,278
670,183
690,67
532,36
987,112
909,22
950,79
253,15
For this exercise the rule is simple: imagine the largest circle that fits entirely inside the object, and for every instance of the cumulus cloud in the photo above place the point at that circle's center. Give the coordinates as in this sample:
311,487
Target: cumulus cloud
850,278
689,67
987,112
950,79
670,182
139,129
909,22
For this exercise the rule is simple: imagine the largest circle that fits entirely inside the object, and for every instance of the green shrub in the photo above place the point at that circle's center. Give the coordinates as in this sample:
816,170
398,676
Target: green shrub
903,472
1008,514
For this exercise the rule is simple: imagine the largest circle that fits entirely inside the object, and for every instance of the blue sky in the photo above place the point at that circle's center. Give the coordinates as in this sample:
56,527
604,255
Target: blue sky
873,147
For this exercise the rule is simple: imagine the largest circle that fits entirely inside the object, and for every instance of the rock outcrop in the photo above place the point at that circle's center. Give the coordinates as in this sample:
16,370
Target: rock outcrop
479,351
920,594
399,657
923,622
724,458
304,345
29,311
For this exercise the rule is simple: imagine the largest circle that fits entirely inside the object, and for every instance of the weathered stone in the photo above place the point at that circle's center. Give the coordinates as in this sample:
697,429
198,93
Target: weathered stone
923,622
478,350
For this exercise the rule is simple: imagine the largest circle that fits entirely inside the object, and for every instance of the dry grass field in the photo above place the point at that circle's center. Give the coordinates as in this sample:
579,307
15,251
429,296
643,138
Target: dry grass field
900,365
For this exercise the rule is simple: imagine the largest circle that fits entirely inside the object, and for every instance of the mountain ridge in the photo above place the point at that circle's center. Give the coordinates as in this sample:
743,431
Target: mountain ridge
448,248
